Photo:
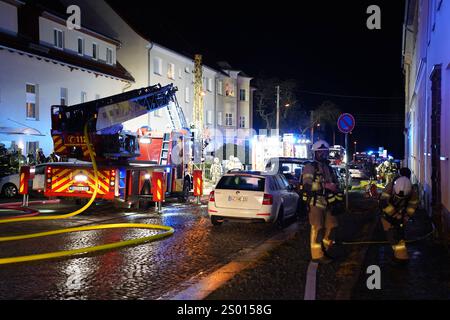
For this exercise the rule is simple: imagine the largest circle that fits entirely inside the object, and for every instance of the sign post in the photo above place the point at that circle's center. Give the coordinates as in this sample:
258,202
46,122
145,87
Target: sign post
346,124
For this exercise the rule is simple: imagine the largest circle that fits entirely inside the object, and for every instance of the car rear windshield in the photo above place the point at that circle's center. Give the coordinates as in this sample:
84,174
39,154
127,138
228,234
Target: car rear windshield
241,183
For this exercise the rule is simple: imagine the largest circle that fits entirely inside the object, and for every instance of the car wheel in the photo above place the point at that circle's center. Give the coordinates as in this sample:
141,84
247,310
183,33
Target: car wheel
10,191
216,221
281,222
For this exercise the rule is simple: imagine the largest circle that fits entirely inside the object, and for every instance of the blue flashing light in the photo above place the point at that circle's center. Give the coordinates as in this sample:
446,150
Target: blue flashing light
168,170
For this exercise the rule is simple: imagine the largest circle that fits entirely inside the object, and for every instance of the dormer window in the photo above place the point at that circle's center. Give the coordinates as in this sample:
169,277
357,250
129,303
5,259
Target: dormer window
80,46
94,51
109,56
58,39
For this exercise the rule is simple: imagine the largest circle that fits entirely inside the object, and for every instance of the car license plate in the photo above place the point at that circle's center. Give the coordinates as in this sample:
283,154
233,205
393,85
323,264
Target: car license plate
234,198
78,188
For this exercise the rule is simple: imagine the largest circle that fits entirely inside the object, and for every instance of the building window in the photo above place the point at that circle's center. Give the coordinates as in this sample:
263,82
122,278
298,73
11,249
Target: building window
210,84
220,87
109,56
242,95
228,119
180,73
97,97
229,89
187,95
209,116
80,46
94,51
219,118
58,39
171,71
63,95
157,66
83,97
31,101
242,122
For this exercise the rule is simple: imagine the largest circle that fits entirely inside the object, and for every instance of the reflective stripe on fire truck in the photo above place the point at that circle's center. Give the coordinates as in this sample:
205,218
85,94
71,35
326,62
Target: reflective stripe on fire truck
63,179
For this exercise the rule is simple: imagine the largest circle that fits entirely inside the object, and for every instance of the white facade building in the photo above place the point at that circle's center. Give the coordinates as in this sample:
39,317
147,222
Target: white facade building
427,72
42,63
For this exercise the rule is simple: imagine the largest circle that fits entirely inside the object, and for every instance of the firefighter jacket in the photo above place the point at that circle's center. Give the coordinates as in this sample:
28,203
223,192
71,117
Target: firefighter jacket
392,204
314,178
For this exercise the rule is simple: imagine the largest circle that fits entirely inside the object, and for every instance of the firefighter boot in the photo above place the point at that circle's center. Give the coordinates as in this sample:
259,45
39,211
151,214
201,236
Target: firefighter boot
400,252
316,247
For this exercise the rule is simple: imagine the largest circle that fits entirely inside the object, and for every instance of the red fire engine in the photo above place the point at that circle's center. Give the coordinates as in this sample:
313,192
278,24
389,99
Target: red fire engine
125,160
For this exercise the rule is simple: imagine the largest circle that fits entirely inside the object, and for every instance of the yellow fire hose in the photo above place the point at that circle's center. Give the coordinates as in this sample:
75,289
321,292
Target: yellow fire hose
168,231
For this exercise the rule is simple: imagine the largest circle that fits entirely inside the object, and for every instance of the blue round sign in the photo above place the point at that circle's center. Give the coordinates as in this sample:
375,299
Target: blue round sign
346,123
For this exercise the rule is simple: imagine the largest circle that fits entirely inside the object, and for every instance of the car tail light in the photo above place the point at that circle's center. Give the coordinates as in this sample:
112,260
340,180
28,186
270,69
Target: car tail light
113,178
267,200
212,197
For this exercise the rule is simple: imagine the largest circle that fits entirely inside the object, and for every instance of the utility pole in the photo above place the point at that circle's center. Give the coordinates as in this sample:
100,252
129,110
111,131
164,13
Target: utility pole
278,109
312,126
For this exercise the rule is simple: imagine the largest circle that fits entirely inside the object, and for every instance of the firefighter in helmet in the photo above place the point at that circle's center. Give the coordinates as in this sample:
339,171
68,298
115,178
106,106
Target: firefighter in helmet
398,203
320,191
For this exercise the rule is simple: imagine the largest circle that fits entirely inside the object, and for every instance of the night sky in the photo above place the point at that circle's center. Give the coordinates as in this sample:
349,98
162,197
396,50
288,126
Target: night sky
324,45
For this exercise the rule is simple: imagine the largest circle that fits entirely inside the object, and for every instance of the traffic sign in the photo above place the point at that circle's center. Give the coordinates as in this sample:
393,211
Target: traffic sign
346,123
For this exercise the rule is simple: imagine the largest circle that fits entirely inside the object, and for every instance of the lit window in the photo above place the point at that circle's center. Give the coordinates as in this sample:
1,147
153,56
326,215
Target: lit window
83,97
58,39
219,118
30,105
171,71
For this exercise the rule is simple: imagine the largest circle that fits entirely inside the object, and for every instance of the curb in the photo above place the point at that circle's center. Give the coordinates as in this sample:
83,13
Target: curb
246,259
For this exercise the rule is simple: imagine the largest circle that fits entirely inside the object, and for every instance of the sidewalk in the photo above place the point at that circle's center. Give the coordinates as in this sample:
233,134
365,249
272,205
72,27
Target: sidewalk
427,276
281,275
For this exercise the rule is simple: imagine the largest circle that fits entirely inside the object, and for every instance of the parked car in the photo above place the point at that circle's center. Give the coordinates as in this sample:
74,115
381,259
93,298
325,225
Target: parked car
291,168
253,197
9,185
357,171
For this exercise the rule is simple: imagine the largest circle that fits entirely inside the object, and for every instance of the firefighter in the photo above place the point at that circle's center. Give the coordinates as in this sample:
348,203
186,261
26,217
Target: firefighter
398,203
216,171
319,183
40,157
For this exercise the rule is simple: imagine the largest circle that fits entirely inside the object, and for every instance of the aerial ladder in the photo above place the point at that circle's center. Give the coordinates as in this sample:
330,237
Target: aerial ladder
124,173
105,117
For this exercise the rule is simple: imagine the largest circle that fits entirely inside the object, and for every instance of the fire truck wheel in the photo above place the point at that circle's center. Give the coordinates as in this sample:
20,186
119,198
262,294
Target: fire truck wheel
9,191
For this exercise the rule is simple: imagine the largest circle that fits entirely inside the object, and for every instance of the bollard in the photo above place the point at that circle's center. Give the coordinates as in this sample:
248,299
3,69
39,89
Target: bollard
24,180
158,191
198,184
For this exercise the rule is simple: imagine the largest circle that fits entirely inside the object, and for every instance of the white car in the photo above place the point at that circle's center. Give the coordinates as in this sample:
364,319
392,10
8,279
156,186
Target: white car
253,197
9,185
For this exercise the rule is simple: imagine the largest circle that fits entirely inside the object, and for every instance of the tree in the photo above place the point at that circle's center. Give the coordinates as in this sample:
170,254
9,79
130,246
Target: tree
326,115
266,99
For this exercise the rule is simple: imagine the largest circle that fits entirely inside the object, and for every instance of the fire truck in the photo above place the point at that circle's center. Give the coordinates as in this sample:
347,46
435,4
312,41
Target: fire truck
126,160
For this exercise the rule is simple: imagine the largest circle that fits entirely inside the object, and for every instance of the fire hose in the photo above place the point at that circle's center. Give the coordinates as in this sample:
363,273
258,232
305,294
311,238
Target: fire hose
167,231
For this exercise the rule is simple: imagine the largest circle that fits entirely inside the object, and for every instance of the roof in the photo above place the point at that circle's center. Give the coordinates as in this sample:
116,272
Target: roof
23,45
